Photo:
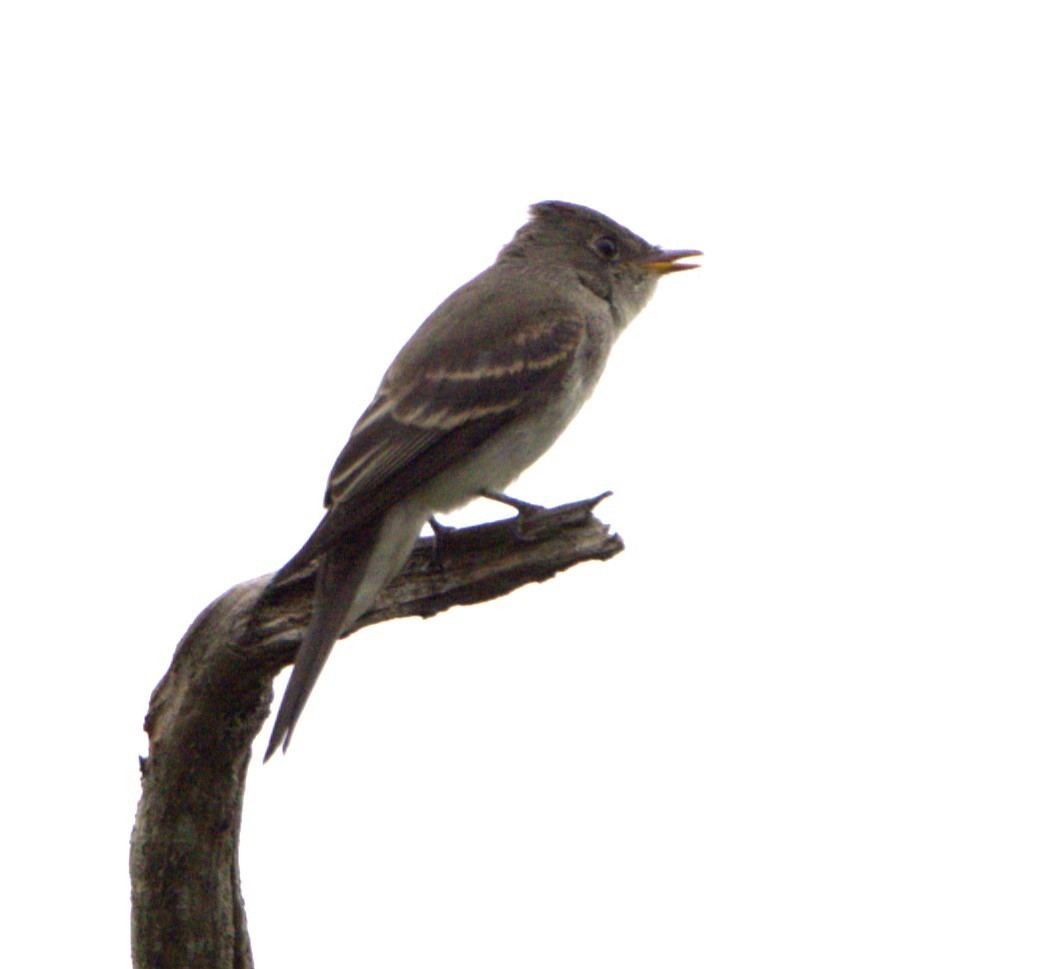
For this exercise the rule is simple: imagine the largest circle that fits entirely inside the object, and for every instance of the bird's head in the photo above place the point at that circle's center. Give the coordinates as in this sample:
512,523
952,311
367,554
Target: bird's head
609,259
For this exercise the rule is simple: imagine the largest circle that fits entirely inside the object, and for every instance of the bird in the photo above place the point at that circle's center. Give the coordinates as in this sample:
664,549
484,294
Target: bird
480,391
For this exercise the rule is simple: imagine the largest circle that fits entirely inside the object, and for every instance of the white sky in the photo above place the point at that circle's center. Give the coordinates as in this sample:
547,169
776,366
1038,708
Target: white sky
803,720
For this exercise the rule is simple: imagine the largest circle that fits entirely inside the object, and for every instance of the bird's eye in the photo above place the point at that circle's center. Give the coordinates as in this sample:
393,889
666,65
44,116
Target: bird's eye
605,246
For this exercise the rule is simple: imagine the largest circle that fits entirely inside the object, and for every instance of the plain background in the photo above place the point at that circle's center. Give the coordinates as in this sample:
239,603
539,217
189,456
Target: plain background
803,720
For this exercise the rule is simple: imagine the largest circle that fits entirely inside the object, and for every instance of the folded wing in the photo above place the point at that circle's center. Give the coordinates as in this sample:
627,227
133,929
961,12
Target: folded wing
425,419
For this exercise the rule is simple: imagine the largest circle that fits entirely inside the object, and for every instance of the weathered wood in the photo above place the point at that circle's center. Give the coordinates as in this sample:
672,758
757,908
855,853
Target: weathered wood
187,908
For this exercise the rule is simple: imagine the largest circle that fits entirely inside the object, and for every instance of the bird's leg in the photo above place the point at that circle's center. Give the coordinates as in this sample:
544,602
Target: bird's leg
440,531
525,509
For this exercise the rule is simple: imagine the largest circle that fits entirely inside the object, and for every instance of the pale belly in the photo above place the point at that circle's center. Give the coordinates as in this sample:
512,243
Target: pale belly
499,461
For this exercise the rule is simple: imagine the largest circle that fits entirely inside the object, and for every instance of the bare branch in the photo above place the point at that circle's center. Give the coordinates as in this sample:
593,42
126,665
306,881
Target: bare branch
187,908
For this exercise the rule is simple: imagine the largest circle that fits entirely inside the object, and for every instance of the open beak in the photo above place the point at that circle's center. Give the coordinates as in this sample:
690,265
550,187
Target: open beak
664,261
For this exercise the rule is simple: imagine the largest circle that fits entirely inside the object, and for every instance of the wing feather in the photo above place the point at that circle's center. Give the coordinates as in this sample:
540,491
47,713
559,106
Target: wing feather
426,419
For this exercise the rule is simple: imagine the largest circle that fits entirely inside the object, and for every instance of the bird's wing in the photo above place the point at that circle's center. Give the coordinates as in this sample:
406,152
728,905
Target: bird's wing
428,416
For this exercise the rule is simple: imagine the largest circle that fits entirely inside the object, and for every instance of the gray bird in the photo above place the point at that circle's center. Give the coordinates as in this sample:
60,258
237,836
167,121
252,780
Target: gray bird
480,391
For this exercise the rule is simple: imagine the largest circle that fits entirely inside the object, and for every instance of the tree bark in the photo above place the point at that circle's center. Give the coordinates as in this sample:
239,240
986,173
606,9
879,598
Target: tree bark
187,907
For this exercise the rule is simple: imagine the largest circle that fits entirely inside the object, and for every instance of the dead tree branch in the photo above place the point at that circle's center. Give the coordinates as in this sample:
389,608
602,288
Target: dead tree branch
187,908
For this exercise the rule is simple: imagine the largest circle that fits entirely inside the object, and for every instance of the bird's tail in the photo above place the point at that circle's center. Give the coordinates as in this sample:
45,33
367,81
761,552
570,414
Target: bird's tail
349,578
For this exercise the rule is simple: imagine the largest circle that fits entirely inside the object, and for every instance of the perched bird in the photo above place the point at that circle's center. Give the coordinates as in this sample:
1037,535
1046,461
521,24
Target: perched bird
480,391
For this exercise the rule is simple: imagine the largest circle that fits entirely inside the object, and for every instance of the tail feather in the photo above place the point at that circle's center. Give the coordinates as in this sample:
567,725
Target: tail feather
338,579
349,577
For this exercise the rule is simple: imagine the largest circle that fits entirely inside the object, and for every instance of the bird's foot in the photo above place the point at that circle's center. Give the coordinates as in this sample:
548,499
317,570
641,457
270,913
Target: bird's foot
526,510
437,555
